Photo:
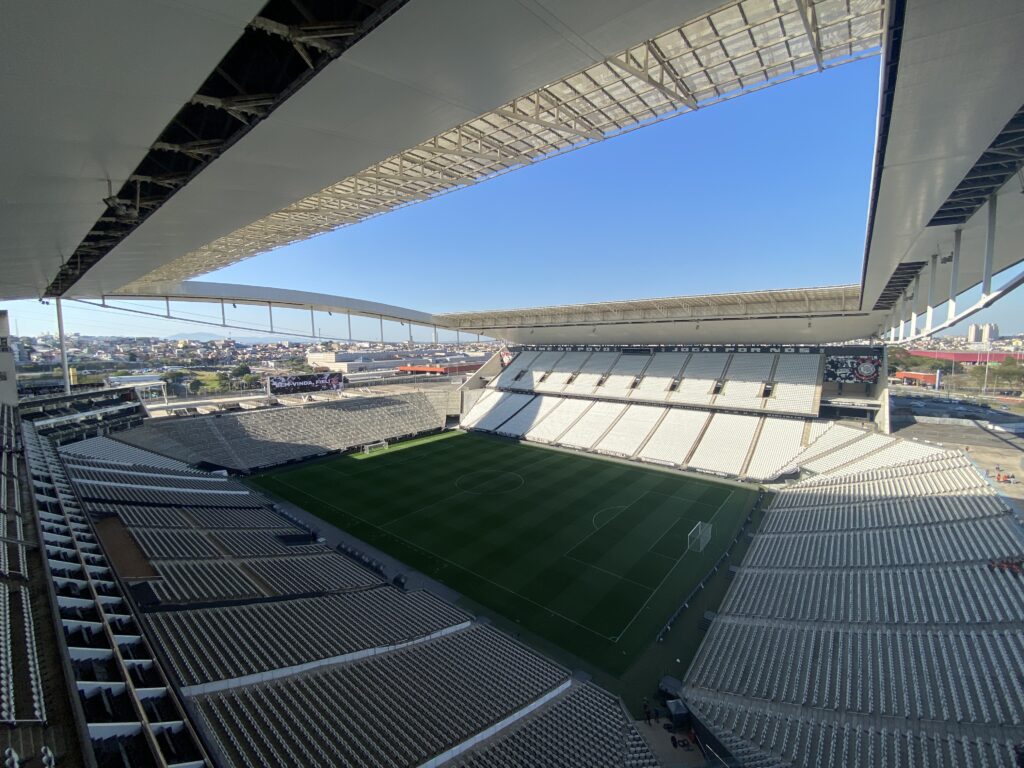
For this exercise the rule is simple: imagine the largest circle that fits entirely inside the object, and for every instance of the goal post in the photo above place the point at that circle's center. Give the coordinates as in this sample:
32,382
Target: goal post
377,447
699,537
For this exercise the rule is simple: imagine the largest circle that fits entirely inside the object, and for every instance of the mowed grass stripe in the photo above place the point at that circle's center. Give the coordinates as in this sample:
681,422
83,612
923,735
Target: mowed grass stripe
582,551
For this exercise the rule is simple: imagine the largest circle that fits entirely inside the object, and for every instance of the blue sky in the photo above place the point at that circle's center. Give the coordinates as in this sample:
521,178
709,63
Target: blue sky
769,190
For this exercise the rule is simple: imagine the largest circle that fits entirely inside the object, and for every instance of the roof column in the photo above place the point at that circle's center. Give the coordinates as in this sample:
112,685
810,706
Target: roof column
990,248
913,305
63,348
933,264
902,312
954,269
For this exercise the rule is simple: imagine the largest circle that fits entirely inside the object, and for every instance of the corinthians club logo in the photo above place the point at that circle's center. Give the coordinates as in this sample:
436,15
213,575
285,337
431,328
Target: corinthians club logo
866,369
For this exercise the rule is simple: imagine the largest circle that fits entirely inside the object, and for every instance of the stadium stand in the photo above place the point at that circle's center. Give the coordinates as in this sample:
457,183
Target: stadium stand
702,372
659,376
535,372
524,420
247,441
631,430
620,379
558,421
777,382
745,380
512,371
290,633
726,444
797,384
402,708
866,625
127,725
107,450
777,445
255,617
501,409
592,425
591,373
566,367
673,439
584,726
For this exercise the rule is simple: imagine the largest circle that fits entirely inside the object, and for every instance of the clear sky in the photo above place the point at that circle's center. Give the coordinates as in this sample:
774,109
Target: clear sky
769,190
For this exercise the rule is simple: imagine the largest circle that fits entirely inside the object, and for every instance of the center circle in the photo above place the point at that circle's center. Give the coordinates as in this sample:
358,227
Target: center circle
489,481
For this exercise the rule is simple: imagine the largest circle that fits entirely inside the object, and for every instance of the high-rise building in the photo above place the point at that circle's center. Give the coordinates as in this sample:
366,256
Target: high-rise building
982,333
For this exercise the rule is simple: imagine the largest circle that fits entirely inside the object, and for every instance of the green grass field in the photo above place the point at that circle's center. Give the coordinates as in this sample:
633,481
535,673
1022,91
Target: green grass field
587,554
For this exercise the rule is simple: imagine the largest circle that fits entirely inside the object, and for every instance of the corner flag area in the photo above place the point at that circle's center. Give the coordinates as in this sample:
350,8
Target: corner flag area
589,554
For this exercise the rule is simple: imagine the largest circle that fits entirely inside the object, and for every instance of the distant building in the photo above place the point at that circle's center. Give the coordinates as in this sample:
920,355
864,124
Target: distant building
982,333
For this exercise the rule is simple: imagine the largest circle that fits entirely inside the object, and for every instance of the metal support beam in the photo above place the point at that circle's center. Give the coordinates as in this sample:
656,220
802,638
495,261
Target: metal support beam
954,270
990,248
223,314
809,21
167,304
519,117
312,324
435,335
270,312
902,312
671,94
382,329
458,337
933,265
350,326
63,348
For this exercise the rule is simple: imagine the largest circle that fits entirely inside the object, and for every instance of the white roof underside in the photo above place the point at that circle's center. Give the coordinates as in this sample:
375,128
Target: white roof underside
959,83
87,87
447,93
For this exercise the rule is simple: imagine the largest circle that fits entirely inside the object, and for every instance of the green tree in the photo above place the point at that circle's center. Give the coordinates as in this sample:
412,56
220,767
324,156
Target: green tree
250,380
240,370
194,386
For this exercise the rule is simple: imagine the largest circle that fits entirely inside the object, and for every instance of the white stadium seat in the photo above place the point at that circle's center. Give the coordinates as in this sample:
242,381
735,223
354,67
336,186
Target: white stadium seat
675,436
631,430
723,448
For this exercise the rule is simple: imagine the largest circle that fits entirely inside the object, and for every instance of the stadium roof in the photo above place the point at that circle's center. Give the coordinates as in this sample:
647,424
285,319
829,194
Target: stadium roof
347,123
508,83
793,315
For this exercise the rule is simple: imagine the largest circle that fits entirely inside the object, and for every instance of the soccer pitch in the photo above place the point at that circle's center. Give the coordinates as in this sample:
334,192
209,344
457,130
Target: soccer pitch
589,554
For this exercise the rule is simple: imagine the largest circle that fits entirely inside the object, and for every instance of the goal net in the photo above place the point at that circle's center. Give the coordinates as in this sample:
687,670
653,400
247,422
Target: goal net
699,537
380,445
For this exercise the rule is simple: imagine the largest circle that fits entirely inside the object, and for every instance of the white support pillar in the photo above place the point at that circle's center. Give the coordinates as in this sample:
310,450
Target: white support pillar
929,315
410,335
350,326
270,312
382,329
458,337
913,305
312,323
63,348
892,330
990,248
954,270
223,314
435,335
902,311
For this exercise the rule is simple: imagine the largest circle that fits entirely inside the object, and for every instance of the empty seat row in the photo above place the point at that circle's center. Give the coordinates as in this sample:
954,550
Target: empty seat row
268,635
